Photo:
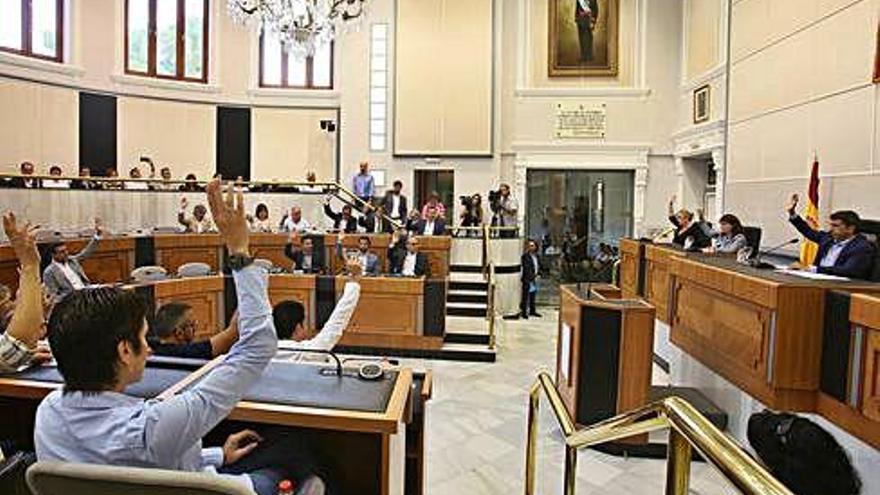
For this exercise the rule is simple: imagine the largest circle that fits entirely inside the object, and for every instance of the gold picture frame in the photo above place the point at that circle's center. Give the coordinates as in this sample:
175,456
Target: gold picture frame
702,104
582,44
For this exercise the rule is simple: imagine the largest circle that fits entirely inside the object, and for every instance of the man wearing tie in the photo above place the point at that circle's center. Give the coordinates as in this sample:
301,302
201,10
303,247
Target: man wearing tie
843,251
432,224
586,15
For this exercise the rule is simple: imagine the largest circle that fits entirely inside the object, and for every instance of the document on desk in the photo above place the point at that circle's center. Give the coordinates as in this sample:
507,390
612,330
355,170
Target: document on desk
565,350
810,275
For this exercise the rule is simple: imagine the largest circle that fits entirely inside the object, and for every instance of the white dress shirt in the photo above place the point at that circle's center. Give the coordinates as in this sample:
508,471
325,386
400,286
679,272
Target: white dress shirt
70,275
136,186
56,184
409,265
302,226
330,334
429,228
395,206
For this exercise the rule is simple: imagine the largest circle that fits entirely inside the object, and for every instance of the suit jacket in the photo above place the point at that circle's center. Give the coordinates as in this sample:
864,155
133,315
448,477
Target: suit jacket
695,231
396,257
350,225
368,222
18,182
388,202
856,260
528,273
54,279
439,227
297,256
580,14
372,267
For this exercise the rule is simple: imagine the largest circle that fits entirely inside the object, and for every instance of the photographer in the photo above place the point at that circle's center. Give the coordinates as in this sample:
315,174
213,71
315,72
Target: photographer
504,208
471,213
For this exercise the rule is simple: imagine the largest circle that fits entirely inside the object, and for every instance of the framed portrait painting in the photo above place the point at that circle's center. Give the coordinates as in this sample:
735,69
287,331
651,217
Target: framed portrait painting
583,38
701,104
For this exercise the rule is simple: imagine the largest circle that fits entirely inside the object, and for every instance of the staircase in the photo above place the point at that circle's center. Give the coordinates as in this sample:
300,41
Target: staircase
467,303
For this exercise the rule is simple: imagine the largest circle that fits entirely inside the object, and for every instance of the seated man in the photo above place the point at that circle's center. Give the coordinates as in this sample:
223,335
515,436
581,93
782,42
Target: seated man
345,221
294,222
21,321
305,259
98,337
843,251
65,274
367,260
55,171
199,223
174,330
407,262
26,169
432,224
290,315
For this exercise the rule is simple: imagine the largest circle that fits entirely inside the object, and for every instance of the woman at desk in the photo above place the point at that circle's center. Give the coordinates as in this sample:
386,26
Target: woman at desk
688,234
729,238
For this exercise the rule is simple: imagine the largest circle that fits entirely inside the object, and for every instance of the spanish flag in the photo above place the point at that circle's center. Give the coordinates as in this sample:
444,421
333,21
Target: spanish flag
811,215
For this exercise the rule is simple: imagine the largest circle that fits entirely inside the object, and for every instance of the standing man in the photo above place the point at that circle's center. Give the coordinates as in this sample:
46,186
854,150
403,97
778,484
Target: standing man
586,14
395,203
529,277
65,274
363,185
508,208
843,251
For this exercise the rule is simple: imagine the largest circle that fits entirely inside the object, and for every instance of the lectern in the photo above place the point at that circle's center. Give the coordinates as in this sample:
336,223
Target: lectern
604,352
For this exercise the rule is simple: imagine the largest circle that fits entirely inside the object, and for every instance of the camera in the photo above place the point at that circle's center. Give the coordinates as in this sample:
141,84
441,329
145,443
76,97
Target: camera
465,201
495,201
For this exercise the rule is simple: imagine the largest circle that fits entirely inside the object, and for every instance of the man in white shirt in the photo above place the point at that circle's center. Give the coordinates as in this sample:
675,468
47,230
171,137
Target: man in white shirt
289,317
199,223
135,185
433,224
55,171
409,262
395,202
295,221
65,274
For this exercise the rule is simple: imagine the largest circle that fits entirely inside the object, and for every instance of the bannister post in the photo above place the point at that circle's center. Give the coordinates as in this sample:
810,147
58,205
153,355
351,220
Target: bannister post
571,457
531,439
678,464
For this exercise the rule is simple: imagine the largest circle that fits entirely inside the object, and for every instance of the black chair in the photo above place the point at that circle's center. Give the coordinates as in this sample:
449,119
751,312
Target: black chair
12,473
753,237
871,230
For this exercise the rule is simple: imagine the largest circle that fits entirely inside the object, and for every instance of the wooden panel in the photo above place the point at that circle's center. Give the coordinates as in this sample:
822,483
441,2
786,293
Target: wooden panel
636,360
299,288
865,310
630,262
378,245
657,287
8,267
871,377
851,420
204,294
270,247
799,321
388,306
112,262
566,381
437,248
172,251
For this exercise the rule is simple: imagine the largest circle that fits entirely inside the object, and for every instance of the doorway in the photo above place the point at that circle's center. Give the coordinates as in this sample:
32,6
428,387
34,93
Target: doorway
577,218
440,181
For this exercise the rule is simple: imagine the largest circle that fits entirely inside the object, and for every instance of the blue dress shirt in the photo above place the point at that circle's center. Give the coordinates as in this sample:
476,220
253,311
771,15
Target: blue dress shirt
363,185
116,429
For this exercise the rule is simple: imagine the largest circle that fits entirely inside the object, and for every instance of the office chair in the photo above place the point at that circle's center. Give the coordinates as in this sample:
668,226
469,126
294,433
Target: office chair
148,274
188,270
753,238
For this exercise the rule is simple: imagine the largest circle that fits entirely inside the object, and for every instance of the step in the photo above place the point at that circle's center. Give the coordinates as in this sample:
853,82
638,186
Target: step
466,311
481,286
466,338
456,298
466,277
465,269
450,351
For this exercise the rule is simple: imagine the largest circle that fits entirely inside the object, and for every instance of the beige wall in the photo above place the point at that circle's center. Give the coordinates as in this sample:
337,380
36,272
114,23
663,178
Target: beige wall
801,84
288,143
703,24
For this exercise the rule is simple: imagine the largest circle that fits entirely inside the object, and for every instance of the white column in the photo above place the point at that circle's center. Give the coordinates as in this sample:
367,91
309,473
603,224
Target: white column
639,201
520,172
718,160
679,175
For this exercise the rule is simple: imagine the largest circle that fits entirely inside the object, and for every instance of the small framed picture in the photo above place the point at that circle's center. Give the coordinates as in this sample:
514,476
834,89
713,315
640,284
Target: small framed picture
701,104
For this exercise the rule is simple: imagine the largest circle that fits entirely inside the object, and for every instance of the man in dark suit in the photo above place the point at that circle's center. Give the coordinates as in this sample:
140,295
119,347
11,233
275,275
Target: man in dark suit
394,203
432,224
528,277
306,258
843,251
344,221
586,14
25,169
408,261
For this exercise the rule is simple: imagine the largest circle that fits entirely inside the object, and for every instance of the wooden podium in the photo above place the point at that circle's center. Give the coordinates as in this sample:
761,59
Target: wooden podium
604,352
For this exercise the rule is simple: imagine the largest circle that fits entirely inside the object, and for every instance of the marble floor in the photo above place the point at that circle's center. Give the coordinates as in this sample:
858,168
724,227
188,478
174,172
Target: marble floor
477,422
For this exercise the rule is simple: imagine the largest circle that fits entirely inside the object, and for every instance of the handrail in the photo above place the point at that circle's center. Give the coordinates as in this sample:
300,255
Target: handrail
688,429
489,274
615,272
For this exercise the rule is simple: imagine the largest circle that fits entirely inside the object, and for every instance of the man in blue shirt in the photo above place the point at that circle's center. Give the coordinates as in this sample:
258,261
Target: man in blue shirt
363,185
98,337
843,251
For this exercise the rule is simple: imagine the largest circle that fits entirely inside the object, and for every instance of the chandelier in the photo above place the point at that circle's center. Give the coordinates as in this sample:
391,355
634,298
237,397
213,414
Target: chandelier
302,26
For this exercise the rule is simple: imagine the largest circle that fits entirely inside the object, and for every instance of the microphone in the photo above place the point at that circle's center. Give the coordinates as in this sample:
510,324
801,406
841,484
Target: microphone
761,265
318,351
663,234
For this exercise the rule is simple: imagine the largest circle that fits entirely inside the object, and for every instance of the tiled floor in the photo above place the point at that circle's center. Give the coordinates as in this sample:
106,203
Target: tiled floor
477,423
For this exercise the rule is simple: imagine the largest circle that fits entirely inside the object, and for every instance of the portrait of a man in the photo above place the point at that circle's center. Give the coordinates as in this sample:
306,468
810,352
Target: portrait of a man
583,38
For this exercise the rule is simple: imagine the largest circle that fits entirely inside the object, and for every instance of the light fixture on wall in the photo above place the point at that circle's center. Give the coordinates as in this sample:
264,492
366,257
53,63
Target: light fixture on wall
301,26
328,126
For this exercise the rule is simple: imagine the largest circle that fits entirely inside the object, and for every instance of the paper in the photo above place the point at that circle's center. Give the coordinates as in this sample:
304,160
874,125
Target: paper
810,275
565,352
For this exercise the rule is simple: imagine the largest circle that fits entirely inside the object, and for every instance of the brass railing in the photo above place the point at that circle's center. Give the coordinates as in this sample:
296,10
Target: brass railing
688,430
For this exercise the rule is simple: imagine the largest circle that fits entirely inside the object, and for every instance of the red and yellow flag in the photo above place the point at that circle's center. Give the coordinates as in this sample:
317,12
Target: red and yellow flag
811,215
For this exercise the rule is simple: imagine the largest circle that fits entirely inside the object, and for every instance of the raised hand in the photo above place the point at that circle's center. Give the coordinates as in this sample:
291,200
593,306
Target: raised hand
22,239
99,227
228,214
183,203
791,206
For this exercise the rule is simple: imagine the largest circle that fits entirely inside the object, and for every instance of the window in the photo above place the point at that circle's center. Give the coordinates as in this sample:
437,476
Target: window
32,28
278,69
378,87
167,39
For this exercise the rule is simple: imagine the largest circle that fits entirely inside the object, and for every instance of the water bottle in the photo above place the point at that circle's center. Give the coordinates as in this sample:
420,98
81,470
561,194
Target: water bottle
285,487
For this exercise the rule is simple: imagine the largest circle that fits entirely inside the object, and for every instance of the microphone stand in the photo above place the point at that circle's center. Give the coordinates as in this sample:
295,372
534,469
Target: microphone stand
320,351
761,265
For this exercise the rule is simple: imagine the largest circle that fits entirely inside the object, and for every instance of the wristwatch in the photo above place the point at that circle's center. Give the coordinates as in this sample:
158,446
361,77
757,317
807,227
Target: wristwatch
239,261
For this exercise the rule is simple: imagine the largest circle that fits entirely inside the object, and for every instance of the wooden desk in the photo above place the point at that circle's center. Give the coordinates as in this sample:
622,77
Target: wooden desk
759,329
283,287
174,250
271,247
112,261
204,294
378,245
632,254
437,248
658,262
604,352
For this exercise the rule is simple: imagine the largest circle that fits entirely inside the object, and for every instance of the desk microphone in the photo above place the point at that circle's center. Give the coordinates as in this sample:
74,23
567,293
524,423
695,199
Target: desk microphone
663,234
319,351
762,265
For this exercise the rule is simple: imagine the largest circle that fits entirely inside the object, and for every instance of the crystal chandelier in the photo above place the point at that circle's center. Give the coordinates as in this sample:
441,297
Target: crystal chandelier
301,26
